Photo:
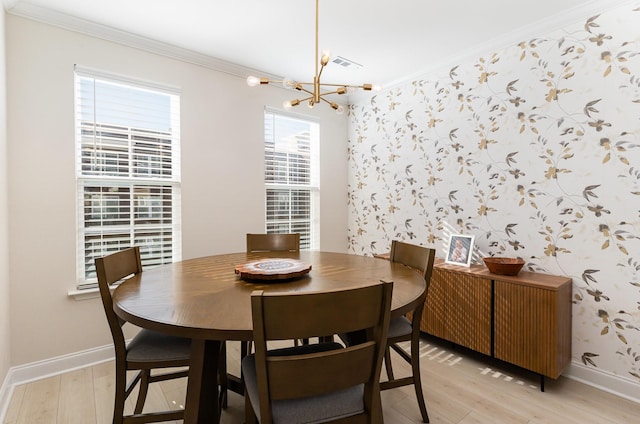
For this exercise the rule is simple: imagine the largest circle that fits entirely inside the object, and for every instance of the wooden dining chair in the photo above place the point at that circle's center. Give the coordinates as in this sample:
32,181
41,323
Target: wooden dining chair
323,382
146,351
288,242
273,242
403,328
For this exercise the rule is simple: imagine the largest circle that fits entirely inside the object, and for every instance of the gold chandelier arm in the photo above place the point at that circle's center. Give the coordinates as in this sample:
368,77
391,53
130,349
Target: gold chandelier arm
326,101
301,88
335,106
365,87
296,102
328,93
321,69
337,85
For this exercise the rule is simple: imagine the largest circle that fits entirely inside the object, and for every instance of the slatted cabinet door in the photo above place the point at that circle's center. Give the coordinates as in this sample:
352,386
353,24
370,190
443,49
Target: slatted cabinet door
434,320
532,323
458,309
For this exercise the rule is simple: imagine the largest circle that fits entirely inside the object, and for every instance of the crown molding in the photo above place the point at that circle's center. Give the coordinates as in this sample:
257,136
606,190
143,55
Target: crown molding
62,20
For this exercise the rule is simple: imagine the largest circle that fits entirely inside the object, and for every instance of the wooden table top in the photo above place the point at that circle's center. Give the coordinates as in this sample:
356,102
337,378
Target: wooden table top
203,298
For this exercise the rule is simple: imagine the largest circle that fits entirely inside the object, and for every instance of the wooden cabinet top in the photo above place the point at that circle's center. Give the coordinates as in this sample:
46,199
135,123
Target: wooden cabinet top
526,278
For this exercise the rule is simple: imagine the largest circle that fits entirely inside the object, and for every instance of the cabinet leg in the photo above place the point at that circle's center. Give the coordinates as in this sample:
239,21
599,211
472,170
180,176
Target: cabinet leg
541,383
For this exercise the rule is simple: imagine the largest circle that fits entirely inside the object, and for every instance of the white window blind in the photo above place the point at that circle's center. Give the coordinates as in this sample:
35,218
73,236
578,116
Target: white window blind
292,177
127,169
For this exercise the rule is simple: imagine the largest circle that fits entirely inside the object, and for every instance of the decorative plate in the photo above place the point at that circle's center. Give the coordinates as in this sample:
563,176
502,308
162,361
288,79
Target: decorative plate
272,269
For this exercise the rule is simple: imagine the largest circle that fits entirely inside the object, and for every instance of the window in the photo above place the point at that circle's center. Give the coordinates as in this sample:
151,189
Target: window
291,177
127,170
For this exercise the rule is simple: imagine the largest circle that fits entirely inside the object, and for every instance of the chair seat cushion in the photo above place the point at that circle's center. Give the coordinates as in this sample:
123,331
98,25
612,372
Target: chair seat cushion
151,346
400,326
344,403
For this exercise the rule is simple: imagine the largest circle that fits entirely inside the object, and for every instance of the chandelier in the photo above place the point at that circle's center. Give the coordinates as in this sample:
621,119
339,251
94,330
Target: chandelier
313,89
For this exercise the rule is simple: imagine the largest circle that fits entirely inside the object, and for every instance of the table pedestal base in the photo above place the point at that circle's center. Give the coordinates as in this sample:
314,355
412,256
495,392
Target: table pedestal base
202,404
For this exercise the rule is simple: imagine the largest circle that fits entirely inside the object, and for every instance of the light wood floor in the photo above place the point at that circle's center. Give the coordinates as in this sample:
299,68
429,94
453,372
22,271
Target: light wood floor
460,387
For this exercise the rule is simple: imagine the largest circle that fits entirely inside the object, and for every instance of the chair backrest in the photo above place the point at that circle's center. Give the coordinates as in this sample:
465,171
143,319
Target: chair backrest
418,257
273,242
111,269
305,315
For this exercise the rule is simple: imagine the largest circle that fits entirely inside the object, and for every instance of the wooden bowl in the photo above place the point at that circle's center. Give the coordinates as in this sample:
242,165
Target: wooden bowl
504,266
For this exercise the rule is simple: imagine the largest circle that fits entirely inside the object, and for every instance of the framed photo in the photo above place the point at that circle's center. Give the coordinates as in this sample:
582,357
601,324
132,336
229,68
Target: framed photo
459,250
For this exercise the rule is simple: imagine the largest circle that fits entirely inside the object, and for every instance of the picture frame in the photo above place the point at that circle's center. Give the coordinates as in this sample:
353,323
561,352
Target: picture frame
460,249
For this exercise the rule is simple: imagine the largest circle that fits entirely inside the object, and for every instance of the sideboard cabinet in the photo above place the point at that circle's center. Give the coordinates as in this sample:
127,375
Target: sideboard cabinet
524,320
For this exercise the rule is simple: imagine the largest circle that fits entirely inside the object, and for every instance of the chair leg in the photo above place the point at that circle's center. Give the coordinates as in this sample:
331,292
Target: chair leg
223,378
417,381
245,349
120,394
143,390
387,363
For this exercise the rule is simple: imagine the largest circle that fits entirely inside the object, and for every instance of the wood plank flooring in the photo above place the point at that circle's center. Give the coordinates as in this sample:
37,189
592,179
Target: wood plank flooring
460,387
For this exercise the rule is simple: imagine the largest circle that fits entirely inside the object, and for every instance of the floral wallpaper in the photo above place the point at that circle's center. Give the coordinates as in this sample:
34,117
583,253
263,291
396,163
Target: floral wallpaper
534,150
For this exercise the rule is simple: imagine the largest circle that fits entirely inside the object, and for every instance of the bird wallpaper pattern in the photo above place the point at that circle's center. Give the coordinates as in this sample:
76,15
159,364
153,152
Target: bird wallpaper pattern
535,151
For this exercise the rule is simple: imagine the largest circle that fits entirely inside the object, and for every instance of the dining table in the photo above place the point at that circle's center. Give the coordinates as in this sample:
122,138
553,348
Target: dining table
206,300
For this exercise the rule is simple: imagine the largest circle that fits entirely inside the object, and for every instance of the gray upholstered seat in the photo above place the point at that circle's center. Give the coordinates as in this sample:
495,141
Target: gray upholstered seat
344,403
151,346
398,327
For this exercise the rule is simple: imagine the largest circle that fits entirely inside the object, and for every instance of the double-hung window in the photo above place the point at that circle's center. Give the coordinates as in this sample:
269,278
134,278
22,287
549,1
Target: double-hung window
127,170
291,152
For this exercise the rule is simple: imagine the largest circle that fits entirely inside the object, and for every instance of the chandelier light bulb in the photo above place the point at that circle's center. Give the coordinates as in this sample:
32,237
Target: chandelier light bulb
253,81
311,104
290,103
376,87
325,58
338,108
288,83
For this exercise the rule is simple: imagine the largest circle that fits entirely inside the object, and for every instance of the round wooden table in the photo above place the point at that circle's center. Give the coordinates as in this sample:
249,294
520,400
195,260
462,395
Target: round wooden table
205,300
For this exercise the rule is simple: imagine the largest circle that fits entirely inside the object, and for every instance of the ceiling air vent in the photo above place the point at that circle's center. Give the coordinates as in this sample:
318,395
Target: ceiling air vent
339,60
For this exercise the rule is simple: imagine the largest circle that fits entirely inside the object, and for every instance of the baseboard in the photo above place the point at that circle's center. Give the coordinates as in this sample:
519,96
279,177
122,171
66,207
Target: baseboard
49,367
605,381
6,390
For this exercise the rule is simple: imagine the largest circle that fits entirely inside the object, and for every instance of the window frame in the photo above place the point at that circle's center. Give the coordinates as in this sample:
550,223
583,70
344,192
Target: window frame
312,187
125,167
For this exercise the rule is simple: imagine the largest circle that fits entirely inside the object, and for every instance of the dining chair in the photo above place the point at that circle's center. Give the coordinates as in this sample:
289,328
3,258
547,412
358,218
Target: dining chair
405,328
273,242
323,382
260,242
148,350
287,242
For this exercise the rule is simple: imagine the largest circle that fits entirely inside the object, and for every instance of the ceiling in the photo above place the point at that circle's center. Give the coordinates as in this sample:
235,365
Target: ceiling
392,39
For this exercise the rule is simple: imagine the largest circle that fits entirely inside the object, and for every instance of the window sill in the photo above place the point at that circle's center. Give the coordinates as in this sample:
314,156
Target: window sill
84,294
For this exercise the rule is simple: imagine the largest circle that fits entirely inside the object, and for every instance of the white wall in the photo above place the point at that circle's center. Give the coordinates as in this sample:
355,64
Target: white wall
5,340
222,174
